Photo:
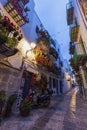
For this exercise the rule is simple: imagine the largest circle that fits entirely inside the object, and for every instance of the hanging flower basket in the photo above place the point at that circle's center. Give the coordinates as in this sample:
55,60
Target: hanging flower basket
42,58
9,33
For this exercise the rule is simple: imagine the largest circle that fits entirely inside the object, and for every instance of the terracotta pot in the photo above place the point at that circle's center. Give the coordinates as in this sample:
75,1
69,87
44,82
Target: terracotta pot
24,113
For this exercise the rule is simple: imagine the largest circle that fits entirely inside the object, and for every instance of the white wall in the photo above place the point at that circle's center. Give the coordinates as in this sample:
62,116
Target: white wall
67,85
29,29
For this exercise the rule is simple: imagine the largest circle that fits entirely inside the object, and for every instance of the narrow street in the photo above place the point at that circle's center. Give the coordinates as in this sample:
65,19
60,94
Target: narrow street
68,112
43,53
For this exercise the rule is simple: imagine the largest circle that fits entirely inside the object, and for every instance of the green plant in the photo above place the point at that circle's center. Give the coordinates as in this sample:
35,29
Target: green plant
12,42
25,107
0,16
20,37
53,52
2,98
9,34
41,83
9,105
15,34
43,40
3,34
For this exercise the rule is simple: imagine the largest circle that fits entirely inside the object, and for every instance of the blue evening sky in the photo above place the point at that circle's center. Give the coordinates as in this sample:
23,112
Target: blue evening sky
52,14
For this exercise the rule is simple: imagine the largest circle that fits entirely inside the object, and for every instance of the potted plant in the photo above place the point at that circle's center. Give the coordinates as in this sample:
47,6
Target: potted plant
12,42
25,107
40,83
15,34
20,37
53,52
26,9
2,99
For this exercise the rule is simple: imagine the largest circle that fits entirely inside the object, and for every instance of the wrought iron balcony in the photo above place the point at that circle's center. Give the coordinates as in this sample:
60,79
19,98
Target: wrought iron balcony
71,48
74,33
53,53
16,10
6,51
80,55
70,13
73,65
24,1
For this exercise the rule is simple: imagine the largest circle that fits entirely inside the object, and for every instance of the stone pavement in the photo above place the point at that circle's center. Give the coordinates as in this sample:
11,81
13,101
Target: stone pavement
68,112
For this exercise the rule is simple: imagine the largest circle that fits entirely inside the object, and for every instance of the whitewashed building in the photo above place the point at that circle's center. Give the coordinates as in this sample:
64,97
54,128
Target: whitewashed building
17,67
77,20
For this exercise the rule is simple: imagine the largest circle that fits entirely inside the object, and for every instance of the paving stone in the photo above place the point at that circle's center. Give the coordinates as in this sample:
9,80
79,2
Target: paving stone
81,128
35,128
60,115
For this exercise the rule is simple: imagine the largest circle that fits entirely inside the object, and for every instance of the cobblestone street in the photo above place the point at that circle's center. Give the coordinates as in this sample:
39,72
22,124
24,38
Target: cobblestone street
68,112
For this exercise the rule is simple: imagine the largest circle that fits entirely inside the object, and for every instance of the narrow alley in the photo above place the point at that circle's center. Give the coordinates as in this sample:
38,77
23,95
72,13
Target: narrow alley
43,65
66,112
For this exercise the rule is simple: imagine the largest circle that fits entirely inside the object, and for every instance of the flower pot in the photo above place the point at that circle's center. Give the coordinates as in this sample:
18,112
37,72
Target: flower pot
24,113
7,114
19,38
25,107
15,34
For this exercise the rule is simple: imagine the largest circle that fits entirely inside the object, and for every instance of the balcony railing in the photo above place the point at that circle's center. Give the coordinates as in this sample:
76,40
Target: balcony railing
73,65
6,51
70,13
25,1
74,33
71,48
16,11
53,53
80,55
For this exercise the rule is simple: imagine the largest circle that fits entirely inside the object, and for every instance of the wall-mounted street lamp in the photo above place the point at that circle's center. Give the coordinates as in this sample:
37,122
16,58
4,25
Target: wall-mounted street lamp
29,52
26,47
